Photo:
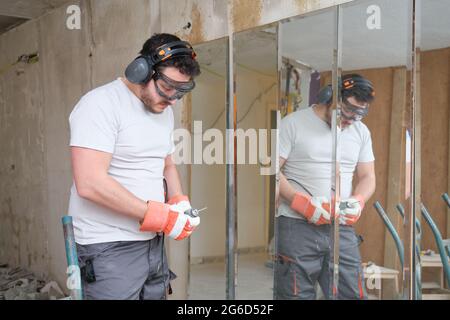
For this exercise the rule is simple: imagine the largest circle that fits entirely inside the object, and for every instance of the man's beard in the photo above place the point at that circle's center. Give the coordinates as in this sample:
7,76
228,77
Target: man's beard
150,104
329,120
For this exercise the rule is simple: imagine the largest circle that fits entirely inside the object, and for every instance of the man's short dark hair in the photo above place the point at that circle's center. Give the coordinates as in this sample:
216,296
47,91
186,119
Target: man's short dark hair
362,89
185,64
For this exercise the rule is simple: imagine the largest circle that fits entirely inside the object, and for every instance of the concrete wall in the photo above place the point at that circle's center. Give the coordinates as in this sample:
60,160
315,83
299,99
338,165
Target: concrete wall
24,202
36,100
208,18
66,75
36,171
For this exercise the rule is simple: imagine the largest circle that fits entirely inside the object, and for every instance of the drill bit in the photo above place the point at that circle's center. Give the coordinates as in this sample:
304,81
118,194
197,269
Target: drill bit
194,212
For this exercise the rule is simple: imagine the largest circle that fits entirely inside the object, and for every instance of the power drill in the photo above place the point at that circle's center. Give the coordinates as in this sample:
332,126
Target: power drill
194,213
344,205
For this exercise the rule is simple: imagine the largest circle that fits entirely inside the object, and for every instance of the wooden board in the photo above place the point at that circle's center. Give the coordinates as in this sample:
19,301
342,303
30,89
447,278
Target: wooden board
448,165
370,225
396,164
435,88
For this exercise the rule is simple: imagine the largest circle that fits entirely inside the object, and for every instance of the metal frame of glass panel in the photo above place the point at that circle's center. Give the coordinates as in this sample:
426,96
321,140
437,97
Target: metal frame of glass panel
231,171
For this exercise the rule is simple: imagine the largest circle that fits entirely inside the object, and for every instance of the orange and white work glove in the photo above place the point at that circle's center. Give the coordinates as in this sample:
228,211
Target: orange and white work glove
315,209
180,200
170,218
351,214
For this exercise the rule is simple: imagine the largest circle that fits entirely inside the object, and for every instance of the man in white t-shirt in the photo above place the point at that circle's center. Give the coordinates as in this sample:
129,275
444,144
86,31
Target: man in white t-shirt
304,249
121,146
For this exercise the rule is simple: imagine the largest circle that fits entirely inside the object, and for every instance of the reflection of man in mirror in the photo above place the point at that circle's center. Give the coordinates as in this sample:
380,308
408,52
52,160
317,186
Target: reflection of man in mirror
121,146
304,246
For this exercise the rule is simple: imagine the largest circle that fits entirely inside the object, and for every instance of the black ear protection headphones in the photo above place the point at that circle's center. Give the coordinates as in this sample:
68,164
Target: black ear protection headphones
140,70
325,95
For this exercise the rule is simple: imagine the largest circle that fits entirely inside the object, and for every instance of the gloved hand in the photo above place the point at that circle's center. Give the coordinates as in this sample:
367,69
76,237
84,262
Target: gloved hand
181,200
182,204
350,215
315,209
170,218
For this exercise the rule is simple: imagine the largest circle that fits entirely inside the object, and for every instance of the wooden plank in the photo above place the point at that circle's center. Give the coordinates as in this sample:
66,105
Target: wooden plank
417,139
370,226
448,158
410,240
436,296
434,121
396,164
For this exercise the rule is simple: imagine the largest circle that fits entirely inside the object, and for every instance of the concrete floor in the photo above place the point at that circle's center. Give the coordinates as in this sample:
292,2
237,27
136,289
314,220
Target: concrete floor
255,280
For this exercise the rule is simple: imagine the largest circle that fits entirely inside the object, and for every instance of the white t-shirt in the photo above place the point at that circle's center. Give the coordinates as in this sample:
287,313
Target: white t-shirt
306,144
112,119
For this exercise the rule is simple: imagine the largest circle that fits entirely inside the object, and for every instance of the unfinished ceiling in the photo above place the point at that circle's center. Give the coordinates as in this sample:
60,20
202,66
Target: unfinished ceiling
310,39
15,12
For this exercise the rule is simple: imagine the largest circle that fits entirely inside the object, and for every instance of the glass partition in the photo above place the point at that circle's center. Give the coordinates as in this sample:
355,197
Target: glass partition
255,71
350,206
304,231
432,149
376,137
206,115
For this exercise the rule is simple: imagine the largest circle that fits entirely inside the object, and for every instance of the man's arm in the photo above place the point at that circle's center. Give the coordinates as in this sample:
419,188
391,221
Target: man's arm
366,183
172,178
314,209
287,192
90,172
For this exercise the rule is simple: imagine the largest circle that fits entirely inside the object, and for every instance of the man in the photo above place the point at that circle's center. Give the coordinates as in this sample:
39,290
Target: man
303,220
121,150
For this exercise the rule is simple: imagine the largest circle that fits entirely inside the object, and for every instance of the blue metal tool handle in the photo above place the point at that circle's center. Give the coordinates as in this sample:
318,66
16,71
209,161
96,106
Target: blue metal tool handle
401,210
392,230
446,199
440,244
399,243
72,258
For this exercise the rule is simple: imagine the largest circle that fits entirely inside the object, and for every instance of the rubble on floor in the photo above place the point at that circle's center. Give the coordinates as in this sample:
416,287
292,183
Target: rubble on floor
20,284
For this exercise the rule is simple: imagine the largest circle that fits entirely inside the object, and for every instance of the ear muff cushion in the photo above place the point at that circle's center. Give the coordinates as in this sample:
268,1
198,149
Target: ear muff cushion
139,70
325,95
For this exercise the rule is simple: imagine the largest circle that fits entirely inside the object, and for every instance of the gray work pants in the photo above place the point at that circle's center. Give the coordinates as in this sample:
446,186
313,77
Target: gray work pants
124,270
304,257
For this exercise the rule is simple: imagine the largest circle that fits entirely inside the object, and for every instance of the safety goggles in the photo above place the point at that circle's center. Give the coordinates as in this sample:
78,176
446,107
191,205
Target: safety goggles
352,112
170,89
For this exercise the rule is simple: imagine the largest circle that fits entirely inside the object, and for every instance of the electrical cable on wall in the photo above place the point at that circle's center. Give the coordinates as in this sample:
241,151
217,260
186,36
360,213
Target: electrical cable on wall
249,108
203,67
258,97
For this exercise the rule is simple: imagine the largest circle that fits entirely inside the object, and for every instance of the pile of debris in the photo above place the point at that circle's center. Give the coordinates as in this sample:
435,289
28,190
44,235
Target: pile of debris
20,284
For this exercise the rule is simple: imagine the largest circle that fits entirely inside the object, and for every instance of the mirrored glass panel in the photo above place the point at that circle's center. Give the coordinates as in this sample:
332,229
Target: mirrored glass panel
303,224
375,144
255,70
207,173
432,153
